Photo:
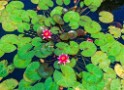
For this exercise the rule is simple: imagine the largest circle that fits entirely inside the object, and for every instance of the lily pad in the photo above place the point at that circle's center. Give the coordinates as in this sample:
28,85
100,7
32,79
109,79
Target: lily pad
92,27
94,74
56,11
8,84
67,78
31,74
101,59
106,17
88,48
20,63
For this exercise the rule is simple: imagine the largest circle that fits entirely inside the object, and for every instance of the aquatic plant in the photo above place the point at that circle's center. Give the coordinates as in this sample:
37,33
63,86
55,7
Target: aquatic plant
59,46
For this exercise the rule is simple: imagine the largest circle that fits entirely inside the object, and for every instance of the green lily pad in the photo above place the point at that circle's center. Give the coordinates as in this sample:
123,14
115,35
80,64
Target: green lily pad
31,74
20,63
45,4
9,84
44,50
94,74
61,2
56,11
92,27
115,84
55,30
88,48
116,32
101,59
1,53
3,69
67,78
6,47
72,49
84,20
112,49
36,41
106,17
35,1
25,52
71,16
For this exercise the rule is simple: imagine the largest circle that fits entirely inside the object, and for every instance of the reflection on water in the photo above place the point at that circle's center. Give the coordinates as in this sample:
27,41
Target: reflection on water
110,5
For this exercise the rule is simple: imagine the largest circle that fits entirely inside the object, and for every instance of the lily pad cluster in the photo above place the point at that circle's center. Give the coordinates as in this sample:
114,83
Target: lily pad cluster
68,51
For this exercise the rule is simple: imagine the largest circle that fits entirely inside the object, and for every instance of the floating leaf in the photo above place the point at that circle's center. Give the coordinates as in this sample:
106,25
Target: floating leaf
116,32
45,4
112,49
115,84
84,20
67,78
106,17
55,30
94,74
31,74
71,16
6,47
101,59
72,49
56,11
1,53
36,41
3,69
92,27
88,48
72,62
2,4
120,56
93,5
35,1
20,63
25,52
44,50
60,2
50,85
119,70
8,84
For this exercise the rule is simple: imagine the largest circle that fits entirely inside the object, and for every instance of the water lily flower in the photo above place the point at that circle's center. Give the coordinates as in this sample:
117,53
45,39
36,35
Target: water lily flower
46,34
90,40
63,59
75,1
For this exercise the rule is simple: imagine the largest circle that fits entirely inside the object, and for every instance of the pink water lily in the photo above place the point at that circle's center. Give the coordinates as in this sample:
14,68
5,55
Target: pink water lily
90,40
63,59
46,34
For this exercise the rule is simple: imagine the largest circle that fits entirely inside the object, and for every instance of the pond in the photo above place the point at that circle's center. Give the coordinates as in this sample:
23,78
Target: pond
65,46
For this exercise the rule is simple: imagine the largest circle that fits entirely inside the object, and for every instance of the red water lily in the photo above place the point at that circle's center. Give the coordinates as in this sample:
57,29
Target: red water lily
46,34
63,59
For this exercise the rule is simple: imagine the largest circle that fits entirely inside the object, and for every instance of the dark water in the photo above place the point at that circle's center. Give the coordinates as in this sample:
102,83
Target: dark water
18,73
